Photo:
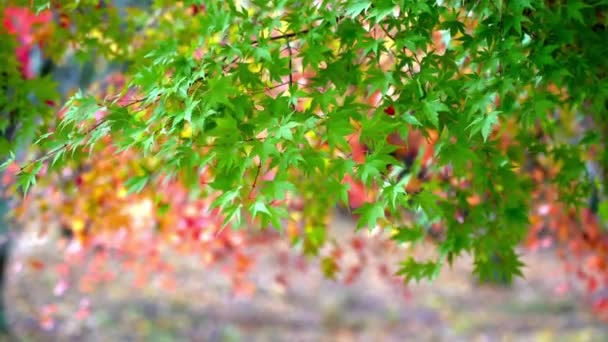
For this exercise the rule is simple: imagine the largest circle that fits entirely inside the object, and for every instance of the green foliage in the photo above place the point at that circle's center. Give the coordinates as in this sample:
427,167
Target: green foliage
204,81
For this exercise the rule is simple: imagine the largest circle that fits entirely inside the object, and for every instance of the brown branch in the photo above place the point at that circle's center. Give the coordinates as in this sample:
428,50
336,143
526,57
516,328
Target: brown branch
234,60
257,41
135,101
255,180
387,33
290,64
282,36
257,91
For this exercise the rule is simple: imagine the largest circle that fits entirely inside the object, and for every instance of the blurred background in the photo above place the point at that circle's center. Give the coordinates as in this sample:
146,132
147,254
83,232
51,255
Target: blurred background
255,286
287,298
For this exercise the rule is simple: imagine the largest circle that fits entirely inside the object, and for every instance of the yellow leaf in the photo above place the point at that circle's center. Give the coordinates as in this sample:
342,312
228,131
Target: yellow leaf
95,33
98,192
114,48
183,49
265,32
87,177
248,149
233,32
169,17
153,162
122,192
140,115
214,39
284,26
254,67
186,132
77,225
388,43
304,103
334,45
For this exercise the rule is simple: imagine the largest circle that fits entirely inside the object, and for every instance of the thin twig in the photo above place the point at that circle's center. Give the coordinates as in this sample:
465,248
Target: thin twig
255,180
89,131
282,36
257,91
234,60
257,41
290,64
387,33
60,148
135,101
233,143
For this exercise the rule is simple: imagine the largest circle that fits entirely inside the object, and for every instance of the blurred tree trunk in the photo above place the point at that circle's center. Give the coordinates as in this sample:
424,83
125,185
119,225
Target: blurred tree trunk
5,246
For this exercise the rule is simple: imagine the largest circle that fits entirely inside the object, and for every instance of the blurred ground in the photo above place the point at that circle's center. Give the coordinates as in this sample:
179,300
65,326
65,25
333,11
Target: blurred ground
453,308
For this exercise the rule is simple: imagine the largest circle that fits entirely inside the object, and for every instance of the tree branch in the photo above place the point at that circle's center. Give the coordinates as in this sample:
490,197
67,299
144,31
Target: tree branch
255,180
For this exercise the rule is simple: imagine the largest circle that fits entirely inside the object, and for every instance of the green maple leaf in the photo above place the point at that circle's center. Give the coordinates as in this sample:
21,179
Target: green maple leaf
431,110
137,184
411,269
356,7
408,234
485,124
370,214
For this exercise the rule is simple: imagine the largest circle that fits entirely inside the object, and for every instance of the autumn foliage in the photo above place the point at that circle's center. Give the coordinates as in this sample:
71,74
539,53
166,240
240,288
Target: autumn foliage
479,179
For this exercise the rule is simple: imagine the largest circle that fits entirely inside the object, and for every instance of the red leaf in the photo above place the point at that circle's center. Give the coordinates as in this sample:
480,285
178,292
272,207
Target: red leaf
390,110
281,280
357,244
592,285
600,304
562,289
36,264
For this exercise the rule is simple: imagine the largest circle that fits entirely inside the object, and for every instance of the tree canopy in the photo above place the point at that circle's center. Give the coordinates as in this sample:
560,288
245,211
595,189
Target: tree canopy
273,108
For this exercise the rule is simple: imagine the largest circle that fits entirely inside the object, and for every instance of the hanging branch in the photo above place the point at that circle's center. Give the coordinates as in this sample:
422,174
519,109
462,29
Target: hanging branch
65,146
